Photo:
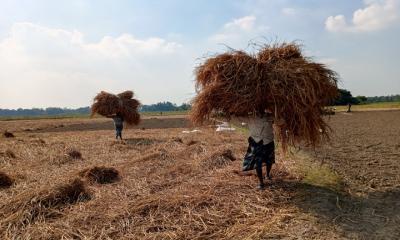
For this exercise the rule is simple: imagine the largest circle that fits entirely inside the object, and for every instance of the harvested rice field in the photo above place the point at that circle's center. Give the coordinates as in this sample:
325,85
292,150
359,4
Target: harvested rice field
70,179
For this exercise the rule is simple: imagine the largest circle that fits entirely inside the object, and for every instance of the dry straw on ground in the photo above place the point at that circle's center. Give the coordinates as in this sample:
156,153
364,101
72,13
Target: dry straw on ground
5,180
8,134
75,154
278,79
107,104
218,159
29,207
102,175
166,193
10,154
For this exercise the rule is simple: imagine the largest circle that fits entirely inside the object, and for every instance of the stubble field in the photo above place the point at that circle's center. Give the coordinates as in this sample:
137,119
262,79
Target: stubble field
176,185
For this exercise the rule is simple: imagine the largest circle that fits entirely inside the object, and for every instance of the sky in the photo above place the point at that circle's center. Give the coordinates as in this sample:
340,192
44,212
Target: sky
61,53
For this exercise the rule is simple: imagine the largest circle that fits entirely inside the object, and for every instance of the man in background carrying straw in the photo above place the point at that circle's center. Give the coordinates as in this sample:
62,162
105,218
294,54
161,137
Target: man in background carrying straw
121,108
118,123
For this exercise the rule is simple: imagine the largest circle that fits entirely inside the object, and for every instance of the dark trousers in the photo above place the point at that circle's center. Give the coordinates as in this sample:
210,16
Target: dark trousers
267,157
118,132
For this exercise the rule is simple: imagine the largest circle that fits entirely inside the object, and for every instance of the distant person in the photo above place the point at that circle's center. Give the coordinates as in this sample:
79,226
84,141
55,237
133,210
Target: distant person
261,147
118,123
349,107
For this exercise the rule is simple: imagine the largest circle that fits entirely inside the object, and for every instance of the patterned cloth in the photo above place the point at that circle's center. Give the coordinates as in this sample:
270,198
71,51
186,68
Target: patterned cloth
258,153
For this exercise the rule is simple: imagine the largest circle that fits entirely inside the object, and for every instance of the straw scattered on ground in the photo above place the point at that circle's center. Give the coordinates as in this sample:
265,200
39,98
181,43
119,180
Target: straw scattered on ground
101,175
166,192
8,134
30,207
8,154
74,154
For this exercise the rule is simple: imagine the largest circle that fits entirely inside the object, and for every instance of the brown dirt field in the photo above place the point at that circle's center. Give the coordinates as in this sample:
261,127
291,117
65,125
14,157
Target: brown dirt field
180,186
86,124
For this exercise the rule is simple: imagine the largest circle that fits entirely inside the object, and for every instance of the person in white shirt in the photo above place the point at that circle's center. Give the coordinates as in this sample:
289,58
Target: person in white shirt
261,146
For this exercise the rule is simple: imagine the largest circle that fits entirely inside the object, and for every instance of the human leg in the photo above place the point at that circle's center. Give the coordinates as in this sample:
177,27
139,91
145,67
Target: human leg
260,174
269,167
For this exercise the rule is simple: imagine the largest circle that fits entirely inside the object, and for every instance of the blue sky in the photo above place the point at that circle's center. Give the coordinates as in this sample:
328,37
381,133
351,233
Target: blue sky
61,53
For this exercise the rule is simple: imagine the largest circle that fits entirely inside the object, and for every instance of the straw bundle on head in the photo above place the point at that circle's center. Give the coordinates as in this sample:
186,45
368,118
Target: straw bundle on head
226,83
278,79
107,104
130,111
125,95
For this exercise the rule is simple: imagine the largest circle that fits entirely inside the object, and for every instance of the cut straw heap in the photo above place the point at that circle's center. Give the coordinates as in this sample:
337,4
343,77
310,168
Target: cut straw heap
107,104
279,79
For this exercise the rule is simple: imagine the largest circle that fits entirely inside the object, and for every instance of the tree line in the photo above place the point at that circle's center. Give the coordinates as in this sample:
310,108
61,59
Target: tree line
345,97
54,111
37,112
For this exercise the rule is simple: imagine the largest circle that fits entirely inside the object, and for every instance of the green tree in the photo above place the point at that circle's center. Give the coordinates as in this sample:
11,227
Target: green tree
345,98
362,99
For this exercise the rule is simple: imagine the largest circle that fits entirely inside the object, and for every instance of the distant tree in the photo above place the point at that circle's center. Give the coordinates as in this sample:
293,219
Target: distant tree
164,107
345,98
185,107
362,99
52,111
390,98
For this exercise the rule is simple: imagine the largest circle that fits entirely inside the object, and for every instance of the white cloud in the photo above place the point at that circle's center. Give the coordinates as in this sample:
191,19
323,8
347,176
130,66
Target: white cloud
288,11
244,23
239,30
377,15
44,66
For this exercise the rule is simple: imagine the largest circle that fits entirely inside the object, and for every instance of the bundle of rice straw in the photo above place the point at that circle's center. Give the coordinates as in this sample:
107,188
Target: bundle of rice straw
107,104
278,79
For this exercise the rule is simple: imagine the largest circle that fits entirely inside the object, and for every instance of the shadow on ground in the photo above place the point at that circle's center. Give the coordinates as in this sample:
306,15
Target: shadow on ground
374,216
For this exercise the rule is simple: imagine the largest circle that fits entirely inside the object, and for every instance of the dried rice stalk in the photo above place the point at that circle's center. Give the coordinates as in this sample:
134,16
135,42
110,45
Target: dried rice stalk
29,207
107,104
125,95
5,180
278,79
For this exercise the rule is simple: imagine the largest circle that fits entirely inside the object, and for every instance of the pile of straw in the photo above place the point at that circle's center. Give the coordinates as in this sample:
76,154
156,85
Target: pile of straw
5,180
10,154
278,79
8,134
28,207
101,175
74,154
107,104
218,160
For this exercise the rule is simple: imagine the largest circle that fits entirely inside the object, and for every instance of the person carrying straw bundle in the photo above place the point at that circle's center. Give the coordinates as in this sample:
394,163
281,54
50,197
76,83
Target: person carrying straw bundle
277,90
118,124
261,147
121,108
